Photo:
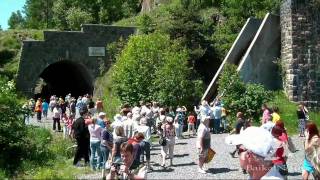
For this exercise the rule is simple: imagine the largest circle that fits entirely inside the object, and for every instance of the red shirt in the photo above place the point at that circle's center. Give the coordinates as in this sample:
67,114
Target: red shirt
191,119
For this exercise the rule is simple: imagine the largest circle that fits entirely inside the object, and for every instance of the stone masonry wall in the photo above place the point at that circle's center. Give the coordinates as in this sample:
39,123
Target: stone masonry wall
73,46
300,50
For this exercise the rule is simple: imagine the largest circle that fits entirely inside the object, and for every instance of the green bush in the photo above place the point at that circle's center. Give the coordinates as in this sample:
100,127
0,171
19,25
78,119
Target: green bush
238,96
151,67
6,54
12,129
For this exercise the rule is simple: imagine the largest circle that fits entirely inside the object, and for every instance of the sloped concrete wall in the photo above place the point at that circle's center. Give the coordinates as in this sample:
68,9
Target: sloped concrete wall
235,53
259,63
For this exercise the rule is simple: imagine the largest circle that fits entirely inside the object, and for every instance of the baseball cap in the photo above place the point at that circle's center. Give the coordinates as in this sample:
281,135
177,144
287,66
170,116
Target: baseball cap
255,139
169,119
117,117
101,114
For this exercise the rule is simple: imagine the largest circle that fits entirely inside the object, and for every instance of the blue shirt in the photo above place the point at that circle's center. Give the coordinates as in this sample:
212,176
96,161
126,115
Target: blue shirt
100,123
217,111
45,106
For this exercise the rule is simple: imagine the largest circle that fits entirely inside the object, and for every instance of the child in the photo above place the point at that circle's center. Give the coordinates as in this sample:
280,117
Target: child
191,123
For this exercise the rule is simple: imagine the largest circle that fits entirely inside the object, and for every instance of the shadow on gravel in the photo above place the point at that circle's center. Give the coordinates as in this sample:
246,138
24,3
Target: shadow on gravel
181,143
220,170
180,155
184,164
294,174
166,169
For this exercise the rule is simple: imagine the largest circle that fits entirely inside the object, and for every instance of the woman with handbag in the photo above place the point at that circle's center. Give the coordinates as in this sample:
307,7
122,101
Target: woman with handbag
169,139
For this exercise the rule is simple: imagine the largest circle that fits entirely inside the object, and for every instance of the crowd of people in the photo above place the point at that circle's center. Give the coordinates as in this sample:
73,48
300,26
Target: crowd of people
123,144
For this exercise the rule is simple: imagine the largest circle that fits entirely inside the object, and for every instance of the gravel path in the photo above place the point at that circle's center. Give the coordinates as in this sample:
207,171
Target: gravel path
223,166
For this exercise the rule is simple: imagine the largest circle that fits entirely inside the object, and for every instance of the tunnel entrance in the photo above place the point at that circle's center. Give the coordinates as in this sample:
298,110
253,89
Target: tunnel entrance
64,77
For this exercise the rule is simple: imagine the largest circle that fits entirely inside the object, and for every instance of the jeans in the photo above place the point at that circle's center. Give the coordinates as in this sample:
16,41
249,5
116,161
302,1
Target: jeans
105,155
45,113
191,128
216,128
145,148
179,128
95,148
65,131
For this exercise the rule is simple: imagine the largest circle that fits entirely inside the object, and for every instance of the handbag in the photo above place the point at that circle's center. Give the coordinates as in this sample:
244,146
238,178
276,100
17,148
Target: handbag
210,155
162,140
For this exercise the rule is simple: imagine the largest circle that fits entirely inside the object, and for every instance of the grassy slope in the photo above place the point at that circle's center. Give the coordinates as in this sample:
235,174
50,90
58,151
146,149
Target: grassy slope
288,112
10,44
103,89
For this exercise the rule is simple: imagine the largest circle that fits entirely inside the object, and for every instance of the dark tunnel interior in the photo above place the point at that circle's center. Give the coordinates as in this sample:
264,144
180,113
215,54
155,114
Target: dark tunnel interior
65,77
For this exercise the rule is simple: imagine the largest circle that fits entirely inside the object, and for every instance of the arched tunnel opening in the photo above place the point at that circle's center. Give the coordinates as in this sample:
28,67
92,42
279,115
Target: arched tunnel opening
62,78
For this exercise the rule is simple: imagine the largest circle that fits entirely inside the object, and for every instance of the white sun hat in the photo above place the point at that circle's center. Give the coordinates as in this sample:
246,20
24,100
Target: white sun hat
256,140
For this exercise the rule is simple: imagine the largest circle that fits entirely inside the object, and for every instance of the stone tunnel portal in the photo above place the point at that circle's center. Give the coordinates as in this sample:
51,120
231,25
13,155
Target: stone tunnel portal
65,77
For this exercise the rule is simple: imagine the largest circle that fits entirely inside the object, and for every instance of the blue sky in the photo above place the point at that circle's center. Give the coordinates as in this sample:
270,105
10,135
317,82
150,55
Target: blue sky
6,8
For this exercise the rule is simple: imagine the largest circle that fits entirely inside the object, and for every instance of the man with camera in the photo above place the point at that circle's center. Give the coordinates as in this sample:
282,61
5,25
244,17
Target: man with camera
121,170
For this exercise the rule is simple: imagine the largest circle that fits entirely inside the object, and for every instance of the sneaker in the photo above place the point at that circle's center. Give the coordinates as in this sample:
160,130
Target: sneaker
202,171
232,154
204,168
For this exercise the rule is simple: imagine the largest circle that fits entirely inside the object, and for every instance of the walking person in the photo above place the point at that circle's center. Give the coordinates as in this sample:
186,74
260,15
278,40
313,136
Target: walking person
82,136
217,111
95,142
179,121
302,117
57,114
38,109
45,107
106,145
203,142
240,124
311,139
99,105
169,135
191,124
279,159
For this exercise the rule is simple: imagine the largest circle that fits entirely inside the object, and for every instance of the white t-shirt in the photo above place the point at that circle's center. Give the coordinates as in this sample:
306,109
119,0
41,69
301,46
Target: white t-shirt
129,126
56,112
145,130
202,130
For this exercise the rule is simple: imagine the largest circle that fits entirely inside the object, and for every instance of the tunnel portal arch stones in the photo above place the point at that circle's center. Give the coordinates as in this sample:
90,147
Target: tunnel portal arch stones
85,47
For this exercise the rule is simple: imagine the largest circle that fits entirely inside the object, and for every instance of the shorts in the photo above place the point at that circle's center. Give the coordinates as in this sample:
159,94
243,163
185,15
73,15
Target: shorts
203,154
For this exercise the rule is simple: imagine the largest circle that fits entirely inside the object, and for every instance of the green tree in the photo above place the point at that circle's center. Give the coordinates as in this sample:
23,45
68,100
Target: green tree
151,67
236,13
59,9
39,14
114,10
76,17
16,20
12,129
238,96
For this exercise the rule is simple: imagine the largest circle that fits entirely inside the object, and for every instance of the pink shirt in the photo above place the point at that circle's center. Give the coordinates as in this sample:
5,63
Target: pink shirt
95,132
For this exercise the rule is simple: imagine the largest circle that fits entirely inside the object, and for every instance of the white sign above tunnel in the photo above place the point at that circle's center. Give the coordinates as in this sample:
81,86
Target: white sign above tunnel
97,51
